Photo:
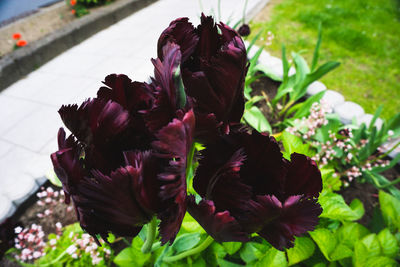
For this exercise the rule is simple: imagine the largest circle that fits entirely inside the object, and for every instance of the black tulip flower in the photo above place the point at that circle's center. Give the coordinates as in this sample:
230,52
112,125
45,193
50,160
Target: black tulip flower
214,65
244,179
125,160
244,30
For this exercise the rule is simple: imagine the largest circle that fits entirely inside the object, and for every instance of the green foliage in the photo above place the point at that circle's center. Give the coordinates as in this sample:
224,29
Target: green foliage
357,33
390,207
292,144
334,207
59,257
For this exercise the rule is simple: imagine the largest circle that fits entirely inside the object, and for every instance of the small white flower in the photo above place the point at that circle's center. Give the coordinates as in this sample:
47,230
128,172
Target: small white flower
71,249
18,229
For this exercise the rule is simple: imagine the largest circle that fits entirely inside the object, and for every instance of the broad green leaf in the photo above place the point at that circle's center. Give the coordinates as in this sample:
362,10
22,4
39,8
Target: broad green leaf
375,117
388,243
248,252
334,207
292,143
225,263
256,119
185,242
189,224
366,248
231,247
303,248
273,258
329,181
132,256
350,233
381,261
390,207
340,252
325,240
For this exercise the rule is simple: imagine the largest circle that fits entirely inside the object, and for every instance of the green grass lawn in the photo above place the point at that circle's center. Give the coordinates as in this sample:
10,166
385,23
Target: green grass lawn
364,35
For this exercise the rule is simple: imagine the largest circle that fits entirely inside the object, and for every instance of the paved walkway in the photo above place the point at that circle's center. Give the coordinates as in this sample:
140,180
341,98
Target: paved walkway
28,109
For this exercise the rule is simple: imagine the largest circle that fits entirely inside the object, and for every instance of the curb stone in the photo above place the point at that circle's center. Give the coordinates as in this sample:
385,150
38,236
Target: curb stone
348,111
22,61
333,98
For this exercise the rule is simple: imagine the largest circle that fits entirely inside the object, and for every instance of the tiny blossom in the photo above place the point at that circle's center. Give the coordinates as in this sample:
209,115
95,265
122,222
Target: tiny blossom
71,249
18,229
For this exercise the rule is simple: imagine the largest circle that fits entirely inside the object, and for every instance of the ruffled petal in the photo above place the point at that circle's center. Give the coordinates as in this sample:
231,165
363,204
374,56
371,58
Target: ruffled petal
279,222
219,225
132,96
181,32
173,144
107,204
303,177
67,164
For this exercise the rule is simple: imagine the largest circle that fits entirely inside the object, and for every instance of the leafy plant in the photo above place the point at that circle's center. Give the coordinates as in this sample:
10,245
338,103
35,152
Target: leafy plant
285,107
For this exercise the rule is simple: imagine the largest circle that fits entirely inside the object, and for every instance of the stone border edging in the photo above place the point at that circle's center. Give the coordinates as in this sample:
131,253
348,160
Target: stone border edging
21,62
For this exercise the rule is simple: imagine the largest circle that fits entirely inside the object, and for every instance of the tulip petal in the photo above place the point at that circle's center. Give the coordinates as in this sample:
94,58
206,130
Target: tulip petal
106,204
303,177
279,222
219,225
181,32
173,144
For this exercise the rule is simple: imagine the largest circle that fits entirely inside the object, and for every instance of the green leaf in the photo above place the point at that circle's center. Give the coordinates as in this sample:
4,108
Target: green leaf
329,246
272,258
253,41
329,181
390,207
52,177
304,109
267,71
132,256
381,262
350,233
225,263
303,248
231,247
366,248
185,242
248,253
256,119
316,50
189,224
334,207
325,240
292,143
388,243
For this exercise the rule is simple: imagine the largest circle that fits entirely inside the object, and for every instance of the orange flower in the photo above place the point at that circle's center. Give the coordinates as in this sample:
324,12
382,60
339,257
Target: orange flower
21,43
16,36
73,11
72,2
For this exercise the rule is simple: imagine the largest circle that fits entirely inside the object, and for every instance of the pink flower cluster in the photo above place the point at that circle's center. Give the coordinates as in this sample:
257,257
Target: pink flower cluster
307,125
85,244
30,243
50,198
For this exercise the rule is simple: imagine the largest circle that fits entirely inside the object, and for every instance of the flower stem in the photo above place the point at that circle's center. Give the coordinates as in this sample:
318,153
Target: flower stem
151,235
190,252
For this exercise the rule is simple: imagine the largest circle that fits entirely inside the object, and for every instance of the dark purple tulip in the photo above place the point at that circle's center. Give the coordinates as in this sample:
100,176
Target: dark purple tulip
244,30
245,174
214,66
124,164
